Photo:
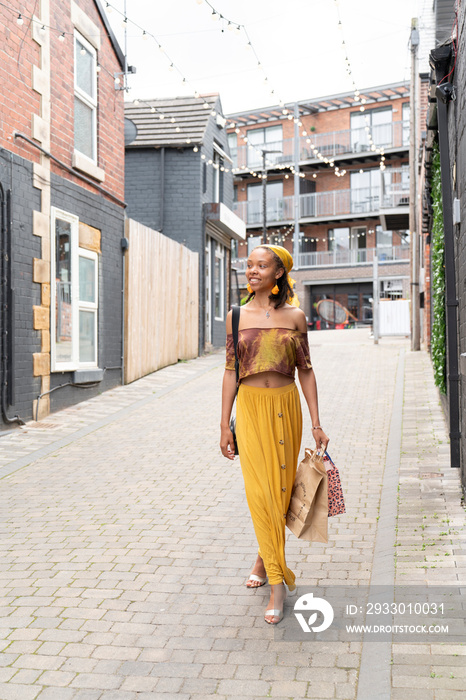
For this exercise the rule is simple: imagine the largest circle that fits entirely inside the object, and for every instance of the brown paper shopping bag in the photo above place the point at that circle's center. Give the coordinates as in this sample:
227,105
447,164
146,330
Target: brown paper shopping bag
307,516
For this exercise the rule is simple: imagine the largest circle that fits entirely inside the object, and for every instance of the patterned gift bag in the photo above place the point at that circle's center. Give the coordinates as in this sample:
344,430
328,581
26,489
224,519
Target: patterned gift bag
336,503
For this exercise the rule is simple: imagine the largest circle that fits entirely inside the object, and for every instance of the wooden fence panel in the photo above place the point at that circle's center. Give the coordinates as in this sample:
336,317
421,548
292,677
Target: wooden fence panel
161,302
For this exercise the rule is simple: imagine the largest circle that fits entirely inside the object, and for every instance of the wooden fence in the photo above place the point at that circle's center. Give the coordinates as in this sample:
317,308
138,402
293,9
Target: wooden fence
161,302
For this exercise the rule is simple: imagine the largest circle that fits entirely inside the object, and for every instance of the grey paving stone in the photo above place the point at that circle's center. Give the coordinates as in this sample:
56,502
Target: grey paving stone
140,564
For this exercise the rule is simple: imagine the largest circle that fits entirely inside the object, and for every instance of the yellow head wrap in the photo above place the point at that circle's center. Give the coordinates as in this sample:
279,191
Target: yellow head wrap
287,261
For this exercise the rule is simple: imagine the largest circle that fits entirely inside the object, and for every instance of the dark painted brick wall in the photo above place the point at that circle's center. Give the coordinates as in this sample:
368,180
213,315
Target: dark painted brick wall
457,119
16,175
183,199
109,218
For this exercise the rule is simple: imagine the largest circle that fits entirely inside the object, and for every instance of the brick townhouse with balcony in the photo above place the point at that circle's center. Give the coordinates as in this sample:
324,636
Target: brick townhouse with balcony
62,192
337,189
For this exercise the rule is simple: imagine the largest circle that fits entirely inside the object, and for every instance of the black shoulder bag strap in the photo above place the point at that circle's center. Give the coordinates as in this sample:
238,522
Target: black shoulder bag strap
235,325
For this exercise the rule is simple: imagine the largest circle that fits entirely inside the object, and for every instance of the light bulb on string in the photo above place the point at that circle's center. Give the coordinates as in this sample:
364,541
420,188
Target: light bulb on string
42,29
98,68
173,120
109,8
19,19
62,38
83,51
152,109
195,149
145,36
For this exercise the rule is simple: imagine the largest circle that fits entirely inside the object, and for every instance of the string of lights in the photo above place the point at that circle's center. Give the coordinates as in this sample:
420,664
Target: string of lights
239,28
357,93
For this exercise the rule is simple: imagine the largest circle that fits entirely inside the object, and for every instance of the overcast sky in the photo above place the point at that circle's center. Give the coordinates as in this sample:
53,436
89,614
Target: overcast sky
297,41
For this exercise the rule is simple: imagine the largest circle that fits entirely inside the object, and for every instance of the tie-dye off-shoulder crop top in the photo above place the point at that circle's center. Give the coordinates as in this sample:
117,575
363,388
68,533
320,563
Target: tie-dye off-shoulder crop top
269,350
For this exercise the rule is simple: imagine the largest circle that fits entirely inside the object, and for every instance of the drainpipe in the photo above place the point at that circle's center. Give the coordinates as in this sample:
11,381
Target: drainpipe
6,307
445,93
440,59
162,188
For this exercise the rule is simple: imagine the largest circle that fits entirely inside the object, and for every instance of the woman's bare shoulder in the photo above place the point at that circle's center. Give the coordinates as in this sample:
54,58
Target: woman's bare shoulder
298,317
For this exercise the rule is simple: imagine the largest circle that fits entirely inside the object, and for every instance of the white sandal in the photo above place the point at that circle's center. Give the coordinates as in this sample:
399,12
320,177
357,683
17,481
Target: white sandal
253,577
279,613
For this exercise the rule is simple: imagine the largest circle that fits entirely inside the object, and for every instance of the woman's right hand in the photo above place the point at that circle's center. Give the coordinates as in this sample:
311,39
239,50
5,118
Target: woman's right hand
227,444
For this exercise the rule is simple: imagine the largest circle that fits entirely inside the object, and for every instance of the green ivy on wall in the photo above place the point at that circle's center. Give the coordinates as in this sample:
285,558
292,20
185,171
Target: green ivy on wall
438,339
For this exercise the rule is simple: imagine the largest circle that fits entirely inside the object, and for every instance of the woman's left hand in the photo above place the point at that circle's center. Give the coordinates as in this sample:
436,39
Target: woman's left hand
320,437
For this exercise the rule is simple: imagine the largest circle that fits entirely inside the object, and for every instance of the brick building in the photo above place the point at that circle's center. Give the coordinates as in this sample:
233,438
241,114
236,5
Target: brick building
61,191
179,181
337,189
443,192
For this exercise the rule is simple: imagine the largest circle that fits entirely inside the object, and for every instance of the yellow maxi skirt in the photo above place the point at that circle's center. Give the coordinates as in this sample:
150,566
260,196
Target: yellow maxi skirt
269,431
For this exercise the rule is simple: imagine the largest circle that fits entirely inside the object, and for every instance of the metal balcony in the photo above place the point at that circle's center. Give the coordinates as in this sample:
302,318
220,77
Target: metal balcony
330,145
343,257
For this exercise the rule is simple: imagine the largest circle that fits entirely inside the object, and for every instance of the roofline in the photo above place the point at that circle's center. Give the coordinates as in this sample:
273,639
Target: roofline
113,40
324,98
205,96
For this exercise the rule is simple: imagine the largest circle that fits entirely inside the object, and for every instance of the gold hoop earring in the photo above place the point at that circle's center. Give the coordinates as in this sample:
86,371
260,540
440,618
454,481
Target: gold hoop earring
249,288
275,289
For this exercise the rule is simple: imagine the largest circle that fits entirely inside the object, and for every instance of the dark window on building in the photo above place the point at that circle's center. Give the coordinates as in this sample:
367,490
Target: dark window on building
204,178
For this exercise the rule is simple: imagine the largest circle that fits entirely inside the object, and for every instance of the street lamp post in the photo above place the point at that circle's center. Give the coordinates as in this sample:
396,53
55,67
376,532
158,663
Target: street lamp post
264,193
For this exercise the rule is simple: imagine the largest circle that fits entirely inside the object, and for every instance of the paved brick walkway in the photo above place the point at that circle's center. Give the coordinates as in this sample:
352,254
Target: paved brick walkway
125,540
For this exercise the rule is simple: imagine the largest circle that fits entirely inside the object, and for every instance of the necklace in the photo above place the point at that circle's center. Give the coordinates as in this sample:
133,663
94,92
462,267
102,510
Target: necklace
267,315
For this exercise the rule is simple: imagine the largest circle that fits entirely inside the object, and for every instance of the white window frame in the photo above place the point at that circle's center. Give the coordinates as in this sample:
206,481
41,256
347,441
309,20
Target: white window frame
353,241
90,306
74,289
88,100
219,255
76,304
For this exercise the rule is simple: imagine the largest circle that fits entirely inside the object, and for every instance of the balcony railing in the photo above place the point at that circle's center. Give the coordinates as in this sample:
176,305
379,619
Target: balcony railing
336,143
311,206
330,145
356,256
278,209
343,257
392,193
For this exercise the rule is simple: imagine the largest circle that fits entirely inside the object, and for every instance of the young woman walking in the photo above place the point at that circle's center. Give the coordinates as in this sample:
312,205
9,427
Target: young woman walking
272,342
